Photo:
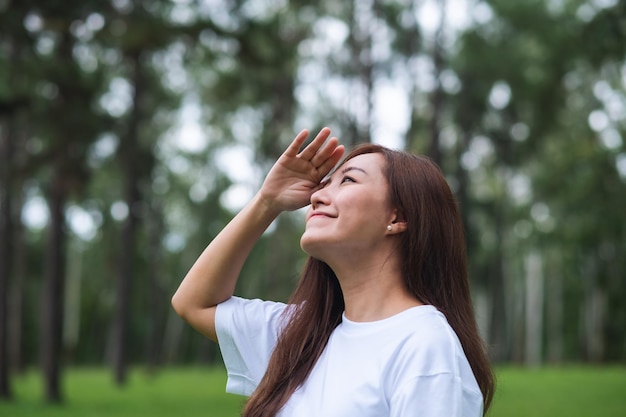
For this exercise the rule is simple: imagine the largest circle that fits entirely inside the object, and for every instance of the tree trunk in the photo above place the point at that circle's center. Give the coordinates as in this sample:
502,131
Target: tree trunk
593,313
173,337
534,309
554,317
156,294
13,236
498,323
71,323
16,302
360,46
130,159
437,97
53,290
124,284
6,267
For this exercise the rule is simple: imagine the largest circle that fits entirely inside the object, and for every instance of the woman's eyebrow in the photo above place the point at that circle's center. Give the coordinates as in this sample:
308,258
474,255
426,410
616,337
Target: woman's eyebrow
353,168
326,180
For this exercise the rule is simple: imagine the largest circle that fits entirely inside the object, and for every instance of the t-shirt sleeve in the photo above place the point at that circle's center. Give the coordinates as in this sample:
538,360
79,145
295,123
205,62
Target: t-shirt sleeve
247,331
433,377
439,395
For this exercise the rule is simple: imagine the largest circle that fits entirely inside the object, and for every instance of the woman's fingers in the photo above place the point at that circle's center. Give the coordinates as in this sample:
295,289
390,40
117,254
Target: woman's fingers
329,162
319,157
309,152
323,153
296,144
296,174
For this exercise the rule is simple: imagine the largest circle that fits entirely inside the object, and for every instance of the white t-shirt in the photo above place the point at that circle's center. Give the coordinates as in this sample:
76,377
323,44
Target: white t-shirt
410,364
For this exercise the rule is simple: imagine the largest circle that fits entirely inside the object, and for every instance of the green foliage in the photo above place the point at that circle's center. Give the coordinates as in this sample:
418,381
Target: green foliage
541,59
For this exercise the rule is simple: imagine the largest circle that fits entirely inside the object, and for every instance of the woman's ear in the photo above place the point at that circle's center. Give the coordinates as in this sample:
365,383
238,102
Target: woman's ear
396,227
397,224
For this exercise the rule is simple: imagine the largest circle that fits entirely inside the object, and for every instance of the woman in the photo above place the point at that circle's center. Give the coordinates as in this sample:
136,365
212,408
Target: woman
381,322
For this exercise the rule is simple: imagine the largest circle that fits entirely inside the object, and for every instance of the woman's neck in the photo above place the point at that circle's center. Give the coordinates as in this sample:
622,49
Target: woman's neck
373,289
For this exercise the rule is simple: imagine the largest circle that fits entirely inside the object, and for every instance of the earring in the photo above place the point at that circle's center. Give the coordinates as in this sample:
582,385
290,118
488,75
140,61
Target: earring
389,228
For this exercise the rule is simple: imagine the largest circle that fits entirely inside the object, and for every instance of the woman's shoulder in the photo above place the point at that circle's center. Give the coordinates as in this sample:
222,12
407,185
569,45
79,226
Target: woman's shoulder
427,343
417,337
429,349
423,326
427,322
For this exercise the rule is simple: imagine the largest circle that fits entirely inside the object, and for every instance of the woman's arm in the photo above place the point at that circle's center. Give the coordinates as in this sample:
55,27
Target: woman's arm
288,186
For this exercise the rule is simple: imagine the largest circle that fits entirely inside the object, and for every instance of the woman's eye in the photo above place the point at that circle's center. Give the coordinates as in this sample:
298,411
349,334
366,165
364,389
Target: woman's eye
347,179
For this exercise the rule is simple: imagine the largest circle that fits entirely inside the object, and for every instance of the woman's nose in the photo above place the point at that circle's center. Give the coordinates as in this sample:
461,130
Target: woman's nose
319,197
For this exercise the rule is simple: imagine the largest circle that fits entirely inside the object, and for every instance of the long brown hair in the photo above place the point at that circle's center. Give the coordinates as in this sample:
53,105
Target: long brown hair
434,269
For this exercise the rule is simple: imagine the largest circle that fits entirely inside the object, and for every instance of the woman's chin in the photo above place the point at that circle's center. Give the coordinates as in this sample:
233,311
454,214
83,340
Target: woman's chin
312,246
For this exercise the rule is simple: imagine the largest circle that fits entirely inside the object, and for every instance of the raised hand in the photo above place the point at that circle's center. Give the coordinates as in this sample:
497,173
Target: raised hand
297,174
288,186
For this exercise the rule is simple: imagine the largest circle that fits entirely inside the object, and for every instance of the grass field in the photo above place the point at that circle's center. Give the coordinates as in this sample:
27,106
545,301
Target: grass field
546,392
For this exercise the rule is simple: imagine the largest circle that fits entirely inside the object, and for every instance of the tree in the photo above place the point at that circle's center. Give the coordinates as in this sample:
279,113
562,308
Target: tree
12,103
62,159
6,255
519,111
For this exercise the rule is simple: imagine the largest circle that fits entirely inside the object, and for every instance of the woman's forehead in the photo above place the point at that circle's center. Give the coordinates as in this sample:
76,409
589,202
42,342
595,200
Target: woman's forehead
368,163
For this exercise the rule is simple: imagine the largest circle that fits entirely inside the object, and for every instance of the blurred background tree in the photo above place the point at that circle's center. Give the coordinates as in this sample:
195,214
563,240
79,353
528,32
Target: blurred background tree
132,131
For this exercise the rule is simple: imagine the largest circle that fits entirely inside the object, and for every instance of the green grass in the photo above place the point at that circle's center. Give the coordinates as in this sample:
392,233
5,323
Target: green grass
199,392
554,392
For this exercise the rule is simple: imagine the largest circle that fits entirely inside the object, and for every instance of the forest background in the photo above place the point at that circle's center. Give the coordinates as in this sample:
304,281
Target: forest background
132,131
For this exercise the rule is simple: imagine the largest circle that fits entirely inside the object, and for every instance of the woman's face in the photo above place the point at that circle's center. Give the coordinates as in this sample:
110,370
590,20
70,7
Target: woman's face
350,214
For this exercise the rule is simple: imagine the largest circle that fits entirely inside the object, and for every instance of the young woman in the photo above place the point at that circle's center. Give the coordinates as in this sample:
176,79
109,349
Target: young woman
381,322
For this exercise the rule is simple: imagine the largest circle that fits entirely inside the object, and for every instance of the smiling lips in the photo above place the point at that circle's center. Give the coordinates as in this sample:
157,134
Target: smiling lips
319,214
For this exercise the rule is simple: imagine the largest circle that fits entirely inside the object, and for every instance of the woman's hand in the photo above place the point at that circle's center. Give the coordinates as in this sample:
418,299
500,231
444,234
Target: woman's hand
288,186
296,175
